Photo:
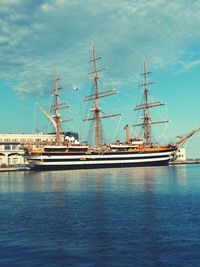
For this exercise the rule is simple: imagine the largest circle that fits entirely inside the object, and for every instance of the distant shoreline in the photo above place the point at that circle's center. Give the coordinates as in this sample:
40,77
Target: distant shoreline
188,161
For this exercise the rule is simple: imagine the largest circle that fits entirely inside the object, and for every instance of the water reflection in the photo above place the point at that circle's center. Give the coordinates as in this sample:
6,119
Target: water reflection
100,237
129,179
179,173
97,217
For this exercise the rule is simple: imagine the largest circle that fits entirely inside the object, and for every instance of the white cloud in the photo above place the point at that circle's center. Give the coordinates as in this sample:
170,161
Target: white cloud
185,66
10,2
35,35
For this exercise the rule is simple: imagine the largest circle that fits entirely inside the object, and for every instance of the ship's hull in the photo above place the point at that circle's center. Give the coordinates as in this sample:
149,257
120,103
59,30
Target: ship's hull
41,167
97,161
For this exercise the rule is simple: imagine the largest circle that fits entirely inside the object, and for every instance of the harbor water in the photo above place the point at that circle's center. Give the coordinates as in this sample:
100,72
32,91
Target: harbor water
101,218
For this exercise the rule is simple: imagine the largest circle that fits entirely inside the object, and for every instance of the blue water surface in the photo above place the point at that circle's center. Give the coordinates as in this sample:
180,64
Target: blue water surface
101,218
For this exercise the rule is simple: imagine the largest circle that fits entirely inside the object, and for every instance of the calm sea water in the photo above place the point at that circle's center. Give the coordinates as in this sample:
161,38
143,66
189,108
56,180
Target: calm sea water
101,218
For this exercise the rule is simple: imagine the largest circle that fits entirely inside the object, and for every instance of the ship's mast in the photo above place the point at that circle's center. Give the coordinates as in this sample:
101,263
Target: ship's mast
96,110
147,117
147,122
95,97
126,128
57,116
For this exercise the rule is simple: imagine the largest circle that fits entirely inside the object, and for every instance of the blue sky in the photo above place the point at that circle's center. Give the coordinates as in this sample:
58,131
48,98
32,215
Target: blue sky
35,35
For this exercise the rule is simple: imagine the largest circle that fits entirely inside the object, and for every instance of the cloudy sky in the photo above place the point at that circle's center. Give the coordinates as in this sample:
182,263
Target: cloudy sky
36,35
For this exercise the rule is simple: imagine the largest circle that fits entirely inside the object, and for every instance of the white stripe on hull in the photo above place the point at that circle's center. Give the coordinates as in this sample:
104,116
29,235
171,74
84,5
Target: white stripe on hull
139,155
99,162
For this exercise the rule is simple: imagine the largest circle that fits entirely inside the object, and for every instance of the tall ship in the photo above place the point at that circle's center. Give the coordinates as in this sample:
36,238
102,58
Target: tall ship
69,154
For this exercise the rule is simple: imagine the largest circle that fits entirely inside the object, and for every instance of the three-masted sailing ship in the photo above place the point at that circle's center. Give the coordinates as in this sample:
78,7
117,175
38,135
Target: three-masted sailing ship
64,154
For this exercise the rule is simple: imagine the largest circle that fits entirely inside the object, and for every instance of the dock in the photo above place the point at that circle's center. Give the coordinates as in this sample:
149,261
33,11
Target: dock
188,161
9,169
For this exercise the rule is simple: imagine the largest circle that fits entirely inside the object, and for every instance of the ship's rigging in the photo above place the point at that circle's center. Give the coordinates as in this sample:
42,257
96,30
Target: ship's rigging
95,97
183,139
55,117
146,106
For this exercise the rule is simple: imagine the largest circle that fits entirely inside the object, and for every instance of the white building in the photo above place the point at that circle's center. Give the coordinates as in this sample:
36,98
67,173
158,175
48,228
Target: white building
10,152
181,155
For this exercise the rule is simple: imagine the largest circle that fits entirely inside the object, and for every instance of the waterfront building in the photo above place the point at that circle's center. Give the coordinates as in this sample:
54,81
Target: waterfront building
12,154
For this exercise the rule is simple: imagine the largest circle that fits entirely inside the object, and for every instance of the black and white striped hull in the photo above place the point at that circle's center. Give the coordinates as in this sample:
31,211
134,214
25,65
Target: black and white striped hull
93,161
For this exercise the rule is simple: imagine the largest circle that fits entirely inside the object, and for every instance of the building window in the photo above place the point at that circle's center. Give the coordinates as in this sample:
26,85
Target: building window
7,147
14,160
38,140
15,140
22,140
7,140
15,147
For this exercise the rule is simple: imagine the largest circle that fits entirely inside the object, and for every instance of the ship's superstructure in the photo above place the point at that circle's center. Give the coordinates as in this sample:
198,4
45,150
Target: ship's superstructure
64,154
